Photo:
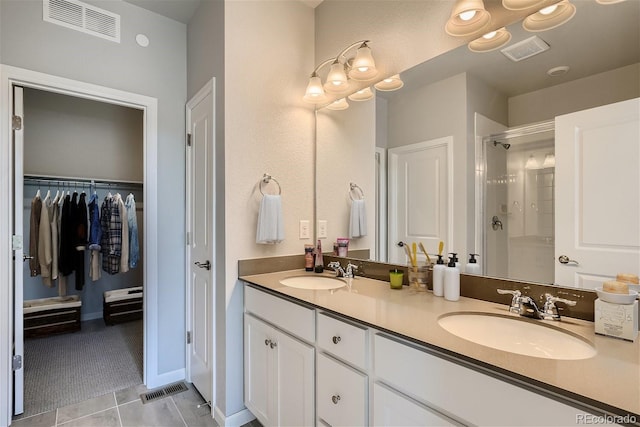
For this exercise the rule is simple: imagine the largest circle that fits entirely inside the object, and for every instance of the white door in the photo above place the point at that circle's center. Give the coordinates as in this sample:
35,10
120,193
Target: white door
598,194
200,213
420,196
18,254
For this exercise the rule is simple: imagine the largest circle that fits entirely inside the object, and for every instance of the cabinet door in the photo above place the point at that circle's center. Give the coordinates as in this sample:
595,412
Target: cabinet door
295,365
258,369
393,409
342,393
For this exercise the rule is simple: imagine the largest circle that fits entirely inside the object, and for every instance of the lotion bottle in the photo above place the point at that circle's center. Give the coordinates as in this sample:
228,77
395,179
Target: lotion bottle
472,266
452,281
438,277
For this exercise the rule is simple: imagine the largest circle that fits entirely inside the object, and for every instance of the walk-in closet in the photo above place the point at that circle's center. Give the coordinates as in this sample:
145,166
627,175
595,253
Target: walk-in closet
83,231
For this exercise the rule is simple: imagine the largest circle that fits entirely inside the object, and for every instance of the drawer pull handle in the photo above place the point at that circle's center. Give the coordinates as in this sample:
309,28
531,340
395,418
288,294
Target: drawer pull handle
267,342
335,399
273,344
336,339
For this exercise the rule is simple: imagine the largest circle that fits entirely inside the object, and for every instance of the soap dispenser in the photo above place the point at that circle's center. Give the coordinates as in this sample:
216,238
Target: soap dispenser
472,266
452,280
438,277
455,259
319,262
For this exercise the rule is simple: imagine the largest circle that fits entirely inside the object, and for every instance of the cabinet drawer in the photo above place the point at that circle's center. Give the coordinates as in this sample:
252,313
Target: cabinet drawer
341,393
344,340
460,392
393,409
291,317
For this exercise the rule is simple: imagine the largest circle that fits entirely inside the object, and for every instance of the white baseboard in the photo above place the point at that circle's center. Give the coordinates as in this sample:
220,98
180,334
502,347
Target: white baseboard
166,378
234,420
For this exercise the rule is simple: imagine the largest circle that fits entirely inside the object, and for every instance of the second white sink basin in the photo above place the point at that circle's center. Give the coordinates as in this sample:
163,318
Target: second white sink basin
313,282
517,336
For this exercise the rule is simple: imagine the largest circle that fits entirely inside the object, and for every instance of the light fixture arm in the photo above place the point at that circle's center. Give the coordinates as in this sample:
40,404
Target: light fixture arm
322,64
360,44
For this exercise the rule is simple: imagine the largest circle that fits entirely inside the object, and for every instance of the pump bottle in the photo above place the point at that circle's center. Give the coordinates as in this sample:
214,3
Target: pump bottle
438,277
472,266
452,281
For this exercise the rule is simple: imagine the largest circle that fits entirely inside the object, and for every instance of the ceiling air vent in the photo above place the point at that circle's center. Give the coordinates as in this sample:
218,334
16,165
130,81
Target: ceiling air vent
82,17
525,49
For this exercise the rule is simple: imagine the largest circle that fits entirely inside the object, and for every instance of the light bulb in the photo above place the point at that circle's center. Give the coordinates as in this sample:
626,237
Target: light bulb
490,35
548,10
467,15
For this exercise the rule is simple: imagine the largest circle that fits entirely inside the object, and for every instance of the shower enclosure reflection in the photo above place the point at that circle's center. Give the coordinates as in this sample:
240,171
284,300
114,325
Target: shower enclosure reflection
518,208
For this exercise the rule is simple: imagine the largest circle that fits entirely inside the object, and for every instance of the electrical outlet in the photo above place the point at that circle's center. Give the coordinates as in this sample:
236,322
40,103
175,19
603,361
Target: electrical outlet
322,229
305,233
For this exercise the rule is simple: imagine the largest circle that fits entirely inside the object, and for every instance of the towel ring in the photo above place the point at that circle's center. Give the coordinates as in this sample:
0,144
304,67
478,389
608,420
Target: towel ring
355,187
266,178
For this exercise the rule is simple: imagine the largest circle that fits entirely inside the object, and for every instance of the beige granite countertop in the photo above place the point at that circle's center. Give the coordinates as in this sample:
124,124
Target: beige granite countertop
611,377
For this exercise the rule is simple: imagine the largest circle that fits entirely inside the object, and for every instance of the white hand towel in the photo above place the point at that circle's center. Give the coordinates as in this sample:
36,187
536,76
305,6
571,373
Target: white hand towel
270,223
358,220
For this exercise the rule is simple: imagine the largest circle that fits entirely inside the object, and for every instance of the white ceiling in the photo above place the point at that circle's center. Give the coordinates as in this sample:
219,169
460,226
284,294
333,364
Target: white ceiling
597,39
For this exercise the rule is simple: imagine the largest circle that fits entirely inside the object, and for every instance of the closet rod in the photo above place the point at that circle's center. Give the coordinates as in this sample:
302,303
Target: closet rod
102,183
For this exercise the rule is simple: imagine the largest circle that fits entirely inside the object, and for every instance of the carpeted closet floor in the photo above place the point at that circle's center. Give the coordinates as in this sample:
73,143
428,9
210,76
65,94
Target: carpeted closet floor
70,368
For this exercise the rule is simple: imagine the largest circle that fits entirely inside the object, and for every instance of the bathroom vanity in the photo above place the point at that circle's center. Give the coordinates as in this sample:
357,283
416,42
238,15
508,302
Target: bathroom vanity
364,354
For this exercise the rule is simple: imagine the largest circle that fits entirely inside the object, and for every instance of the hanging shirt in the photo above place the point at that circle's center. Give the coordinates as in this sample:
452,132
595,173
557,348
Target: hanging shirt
124,246
80,238
67,251
111,243
44,241
54,237
134,247
34,233
95,237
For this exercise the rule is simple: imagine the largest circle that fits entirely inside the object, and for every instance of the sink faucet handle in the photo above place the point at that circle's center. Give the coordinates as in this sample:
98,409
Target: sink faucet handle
516,306
552,299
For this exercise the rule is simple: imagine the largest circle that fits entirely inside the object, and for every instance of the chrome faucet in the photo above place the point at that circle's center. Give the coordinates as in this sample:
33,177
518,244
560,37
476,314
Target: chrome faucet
526,306
347,274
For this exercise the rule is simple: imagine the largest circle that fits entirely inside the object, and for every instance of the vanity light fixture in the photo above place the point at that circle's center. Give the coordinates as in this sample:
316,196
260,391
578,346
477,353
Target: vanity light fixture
491,41
520,4
549,17
390,83
359,67
467,17
362,95
609,1
339,104
549,161
532,163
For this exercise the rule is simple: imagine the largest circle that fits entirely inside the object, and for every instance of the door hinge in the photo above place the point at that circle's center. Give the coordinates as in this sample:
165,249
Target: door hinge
189,140
188,337
16,242
16,362
188,238
16,122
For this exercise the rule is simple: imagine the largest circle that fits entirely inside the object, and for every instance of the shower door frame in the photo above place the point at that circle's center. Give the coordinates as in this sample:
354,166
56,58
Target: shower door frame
480,183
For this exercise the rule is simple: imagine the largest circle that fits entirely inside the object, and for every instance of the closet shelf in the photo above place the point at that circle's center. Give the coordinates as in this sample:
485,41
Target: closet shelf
81,181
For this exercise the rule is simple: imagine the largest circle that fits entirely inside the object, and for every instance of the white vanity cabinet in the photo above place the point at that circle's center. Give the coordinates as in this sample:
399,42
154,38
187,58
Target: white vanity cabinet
279,368
342,382
455,392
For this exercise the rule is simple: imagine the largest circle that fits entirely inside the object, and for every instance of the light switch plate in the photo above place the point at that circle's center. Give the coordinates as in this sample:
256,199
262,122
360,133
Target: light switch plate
305,233
322,229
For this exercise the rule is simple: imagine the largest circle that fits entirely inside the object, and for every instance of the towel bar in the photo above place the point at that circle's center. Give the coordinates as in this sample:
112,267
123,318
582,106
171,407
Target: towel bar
266,178
354,187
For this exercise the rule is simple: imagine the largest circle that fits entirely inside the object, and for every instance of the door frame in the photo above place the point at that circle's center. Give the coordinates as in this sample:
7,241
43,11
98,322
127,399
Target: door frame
10,76
208,88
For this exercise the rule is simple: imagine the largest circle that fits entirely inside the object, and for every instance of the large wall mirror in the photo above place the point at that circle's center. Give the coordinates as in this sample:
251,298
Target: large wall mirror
464,152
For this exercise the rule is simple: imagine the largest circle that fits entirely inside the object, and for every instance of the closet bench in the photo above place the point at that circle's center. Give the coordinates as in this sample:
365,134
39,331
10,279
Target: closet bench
48,316
122,305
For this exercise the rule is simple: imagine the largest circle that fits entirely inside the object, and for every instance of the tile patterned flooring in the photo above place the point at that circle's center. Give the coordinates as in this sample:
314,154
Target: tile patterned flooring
125,409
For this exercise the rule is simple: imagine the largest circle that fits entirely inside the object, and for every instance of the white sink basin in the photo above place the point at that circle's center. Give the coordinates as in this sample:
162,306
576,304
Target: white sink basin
517,336
313,282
